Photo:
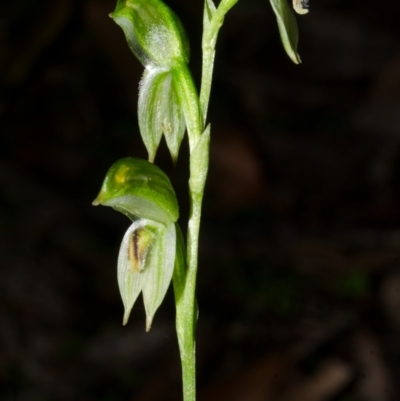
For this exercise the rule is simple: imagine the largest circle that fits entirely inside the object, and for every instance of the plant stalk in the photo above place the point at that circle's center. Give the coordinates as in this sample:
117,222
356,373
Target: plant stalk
185,282
186,305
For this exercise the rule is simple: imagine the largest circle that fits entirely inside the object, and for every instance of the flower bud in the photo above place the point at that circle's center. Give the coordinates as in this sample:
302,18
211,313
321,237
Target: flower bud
168,100
148,251
153,31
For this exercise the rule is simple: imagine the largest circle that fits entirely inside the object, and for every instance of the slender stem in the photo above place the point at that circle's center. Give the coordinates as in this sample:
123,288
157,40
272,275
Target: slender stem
185,282
186,308
189,353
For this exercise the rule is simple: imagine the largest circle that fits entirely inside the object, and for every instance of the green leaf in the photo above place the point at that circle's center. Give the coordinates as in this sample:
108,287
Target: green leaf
153,31
287,28
199,163
159,112
139,189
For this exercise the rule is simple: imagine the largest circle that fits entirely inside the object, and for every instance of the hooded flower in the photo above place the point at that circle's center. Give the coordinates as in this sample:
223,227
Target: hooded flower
146,260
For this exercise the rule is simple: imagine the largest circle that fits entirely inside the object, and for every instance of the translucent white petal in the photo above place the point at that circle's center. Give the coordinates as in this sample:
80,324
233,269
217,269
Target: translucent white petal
159,269
149,110
129,280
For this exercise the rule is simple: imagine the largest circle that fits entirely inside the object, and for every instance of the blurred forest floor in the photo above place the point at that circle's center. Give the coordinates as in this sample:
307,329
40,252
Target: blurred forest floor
299,281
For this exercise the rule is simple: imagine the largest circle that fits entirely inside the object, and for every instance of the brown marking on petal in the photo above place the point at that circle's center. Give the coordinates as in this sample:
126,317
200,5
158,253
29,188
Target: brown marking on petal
139,244
133,251
166,128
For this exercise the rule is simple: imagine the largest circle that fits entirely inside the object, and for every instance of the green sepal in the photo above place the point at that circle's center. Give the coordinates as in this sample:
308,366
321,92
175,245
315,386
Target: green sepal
159,112
139,189
153,31
287,28
145,264
199,163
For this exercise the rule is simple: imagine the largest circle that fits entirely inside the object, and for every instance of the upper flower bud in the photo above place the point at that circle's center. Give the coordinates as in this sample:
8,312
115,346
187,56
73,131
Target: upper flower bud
153,31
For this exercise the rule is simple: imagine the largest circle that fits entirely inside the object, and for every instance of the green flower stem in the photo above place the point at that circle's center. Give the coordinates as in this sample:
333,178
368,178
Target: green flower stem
185,282
190,297
186,317
185,321
185,298
185,288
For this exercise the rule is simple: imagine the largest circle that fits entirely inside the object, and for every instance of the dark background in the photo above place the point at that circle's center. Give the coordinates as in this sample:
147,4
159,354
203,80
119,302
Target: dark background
299,280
